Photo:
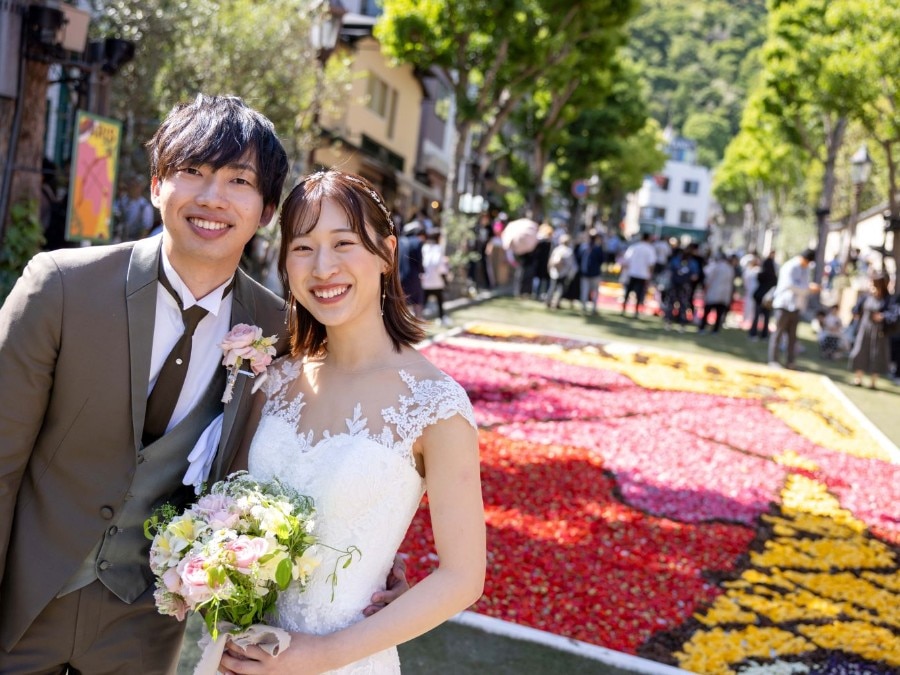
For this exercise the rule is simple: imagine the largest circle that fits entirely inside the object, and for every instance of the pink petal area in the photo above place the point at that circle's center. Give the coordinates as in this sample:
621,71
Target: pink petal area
490,369
576,403
869,488
669,472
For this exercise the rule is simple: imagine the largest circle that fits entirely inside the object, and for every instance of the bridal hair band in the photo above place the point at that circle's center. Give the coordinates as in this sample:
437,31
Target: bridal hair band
375,196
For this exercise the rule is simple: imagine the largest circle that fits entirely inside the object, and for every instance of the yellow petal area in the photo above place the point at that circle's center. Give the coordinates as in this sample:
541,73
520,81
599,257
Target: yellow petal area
713,652
825,554
890,581
726,609
859,637
858,598
799,399
792,459
820,582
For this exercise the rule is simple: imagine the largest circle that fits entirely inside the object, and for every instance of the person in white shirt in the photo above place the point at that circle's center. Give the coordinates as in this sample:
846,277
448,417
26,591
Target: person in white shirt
791,294
434,272
638,263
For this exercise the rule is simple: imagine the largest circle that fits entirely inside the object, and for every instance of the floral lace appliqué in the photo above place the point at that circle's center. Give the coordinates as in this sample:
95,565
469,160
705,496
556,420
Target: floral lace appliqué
428,401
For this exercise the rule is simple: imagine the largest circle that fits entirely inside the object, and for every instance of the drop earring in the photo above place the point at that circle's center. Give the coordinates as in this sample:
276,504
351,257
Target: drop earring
383,293
290,306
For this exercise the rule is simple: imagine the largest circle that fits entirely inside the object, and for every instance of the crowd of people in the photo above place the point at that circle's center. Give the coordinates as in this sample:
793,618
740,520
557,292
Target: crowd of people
690,286
693,287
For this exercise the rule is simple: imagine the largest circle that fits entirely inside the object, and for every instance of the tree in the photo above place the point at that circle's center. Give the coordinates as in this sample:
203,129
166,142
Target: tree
495,53
760,168
613,140
259,51
807,89
602,104
25,181
869,65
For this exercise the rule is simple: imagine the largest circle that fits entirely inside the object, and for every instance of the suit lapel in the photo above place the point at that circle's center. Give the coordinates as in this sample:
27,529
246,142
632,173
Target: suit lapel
140,297
243,310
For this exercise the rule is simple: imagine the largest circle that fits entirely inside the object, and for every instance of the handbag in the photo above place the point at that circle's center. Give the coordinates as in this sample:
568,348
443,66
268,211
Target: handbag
768,299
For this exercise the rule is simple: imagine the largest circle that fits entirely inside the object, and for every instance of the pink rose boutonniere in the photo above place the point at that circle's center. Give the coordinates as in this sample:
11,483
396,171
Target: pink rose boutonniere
244,342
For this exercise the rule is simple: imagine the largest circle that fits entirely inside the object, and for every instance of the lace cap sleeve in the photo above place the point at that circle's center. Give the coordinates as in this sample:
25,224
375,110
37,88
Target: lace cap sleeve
429,401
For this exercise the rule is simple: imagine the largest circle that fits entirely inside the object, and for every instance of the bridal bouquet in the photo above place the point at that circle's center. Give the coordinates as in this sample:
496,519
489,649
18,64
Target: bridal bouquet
230,554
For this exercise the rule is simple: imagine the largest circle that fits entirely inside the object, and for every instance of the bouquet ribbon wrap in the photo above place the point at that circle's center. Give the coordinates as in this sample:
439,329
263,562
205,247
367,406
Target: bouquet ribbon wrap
268,638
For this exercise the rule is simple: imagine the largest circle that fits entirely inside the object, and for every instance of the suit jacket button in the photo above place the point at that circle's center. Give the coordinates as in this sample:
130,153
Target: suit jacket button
141,458
106,512
104,565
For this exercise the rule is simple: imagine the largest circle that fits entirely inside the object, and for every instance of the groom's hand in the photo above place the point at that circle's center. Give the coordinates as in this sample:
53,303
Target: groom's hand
395,586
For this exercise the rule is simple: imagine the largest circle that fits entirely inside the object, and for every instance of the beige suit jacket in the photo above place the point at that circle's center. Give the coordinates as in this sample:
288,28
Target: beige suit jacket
76,336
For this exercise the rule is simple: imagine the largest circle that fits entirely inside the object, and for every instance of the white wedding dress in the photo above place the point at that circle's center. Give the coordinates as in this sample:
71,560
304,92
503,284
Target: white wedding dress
366,490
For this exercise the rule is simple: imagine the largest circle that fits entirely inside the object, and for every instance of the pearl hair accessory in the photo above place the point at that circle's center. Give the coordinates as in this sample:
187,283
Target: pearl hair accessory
374,195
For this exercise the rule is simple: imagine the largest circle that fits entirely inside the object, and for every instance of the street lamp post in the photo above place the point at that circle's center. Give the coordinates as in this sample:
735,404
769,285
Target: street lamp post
323,35
860,168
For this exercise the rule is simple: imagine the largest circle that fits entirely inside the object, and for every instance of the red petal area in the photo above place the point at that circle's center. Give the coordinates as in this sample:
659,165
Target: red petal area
566,556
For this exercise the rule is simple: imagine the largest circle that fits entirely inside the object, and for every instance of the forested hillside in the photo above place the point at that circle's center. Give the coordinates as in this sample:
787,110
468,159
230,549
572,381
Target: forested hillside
699,57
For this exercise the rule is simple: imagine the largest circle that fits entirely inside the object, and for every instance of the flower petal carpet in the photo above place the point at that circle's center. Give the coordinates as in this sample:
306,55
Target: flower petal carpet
715,515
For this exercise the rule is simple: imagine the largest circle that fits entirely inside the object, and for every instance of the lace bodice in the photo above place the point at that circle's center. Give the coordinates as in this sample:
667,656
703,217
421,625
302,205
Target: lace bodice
365,485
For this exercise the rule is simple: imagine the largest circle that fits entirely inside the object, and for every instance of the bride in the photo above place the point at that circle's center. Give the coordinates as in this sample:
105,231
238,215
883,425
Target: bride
359,420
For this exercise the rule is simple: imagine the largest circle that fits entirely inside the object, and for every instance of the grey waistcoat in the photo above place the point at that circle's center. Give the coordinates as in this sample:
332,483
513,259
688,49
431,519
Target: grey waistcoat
120,560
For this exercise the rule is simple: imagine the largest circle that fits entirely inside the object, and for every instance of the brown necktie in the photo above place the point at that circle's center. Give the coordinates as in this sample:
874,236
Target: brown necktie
162,400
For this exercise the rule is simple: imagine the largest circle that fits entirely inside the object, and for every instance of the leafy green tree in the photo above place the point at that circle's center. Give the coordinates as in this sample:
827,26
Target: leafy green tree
601,103
495,53
760,168
611,139
869,66
813,88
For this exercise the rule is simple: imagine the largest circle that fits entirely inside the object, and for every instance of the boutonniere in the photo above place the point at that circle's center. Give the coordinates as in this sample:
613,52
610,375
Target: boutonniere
242,343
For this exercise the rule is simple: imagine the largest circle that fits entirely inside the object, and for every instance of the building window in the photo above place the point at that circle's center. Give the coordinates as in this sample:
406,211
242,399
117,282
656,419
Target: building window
379,96
374,149
662,182
442,104
653,213
686,218
392,114
691,187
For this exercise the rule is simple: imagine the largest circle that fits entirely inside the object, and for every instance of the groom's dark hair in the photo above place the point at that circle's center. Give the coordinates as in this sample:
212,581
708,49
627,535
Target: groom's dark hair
220,130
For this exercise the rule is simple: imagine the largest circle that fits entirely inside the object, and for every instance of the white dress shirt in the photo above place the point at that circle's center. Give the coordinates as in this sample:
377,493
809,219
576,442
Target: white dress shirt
206,355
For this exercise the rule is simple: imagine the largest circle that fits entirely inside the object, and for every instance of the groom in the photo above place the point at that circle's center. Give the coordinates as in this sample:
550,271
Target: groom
84,337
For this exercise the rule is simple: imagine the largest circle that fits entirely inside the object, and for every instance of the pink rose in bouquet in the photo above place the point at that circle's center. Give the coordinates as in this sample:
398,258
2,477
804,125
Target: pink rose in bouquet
246,551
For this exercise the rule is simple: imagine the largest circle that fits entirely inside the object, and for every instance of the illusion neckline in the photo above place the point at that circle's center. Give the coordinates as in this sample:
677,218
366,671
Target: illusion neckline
399,368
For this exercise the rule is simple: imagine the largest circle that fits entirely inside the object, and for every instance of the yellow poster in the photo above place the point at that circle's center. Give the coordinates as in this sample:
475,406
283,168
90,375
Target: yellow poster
95,162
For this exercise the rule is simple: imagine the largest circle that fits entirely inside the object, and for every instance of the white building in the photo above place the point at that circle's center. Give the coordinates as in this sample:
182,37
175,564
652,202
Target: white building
675,202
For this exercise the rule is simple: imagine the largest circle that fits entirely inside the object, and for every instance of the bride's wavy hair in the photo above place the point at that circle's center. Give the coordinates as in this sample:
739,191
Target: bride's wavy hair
371,220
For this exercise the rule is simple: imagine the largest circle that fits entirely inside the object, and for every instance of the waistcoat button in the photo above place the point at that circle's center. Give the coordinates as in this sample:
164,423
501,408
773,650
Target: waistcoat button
106,512
104,565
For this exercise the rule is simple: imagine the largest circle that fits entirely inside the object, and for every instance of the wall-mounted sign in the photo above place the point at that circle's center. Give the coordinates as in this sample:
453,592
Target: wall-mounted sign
95,163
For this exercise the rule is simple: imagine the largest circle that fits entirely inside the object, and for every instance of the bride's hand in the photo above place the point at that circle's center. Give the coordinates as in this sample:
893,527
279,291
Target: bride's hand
300,658
395,586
